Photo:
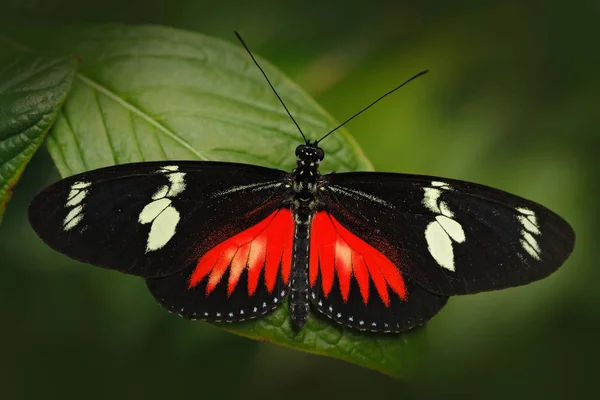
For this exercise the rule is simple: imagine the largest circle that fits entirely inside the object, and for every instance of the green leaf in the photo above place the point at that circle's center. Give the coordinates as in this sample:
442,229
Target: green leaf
153,93
32,90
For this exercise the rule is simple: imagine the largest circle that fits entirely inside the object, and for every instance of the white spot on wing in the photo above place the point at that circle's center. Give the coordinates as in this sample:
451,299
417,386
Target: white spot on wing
177,183
452,228
73,193
74,221
430,199
440,245
73,213
530,250
444,210
160,212
162,229
152,210
529,221
532,242
75,201
441,232
80,185
78,198
528,225
526,211
443,185
160,193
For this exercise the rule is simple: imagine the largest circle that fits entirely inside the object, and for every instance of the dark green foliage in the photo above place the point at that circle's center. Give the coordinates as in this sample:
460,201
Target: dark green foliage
32,90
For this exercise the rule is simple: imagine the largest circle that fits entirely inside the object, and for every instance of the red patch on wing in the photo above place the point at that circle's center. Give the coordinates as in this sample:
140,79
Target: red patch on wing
336,250
267,245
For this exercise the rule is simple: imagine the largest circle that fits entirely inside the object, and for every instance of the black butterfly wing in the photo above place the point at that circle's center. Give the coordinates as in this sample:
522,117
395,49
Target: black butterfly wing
449,236
153,219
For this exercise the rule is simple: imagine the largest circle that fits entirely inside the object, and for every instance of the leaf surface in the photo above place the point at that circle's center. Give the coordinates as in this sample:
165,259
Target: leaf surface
153,93
32,90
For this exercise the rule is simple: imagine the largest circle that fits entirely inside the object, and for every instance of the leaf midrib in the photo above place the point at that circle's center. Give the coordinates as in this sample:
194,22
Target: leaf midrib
134,110
84,79
130,107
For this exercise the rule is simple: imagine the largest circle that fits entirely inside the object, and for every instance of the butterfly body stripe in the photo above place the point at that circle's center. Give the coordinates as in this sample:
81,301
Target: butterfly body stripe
305,178
299,304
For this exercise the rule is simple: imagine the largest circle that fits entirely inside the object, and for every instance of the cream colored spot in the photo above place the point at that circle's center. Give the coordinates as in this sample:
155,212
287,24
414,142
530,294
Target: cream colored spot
533,220
528,225
73,213
80,185
74,221
160,193
442,185
452,228
152,210
75,199
440,233
73,193
526,211
532,241
430,199
78,198
530,250
444,210
177,183
530,228
440,245
163,228
160,212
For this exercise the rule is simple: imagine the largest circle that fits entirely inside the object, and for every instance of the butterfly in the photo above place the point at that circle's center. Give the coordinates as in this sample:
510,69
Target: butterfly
227,242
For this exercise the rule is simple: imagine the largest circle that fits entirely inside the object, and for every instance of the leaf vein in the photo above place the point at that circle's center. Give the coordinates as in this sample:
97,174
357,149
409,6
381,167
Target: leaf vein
50,141
315,124
141,114
105,127
160,146
79,150
135,135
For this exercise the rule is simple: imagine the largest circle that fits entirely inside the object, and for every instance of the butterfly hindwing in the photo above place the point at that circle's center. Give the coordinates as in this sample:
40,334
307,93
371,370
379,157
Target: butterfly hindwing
448,236
358,286
149,219
235,276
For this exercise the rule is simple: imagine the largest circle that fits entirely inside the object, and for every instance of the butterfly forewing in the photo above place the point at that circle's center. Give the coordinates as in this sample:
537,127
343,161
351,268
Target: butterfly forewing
448,236
153,219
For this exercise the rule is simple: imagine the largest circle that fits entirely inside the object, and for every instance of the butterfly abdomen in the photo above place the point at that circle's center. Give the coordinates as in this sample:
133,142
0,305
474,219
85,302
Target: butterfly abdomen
299,304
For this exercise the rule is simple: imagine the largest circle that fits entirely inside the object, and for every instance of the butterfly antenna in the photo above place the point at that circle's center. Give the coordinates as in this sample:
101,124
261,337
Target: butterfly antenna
372,104
270,84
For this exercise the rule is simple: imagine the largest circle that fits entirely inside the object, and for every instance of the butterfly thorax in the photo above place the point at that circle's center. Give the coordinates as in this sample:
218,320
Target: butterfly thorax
306,174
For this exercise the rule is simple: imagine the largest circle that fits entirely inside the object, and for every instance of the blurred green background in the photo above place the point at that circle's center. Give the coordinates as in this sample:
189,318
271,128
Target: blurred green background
512,102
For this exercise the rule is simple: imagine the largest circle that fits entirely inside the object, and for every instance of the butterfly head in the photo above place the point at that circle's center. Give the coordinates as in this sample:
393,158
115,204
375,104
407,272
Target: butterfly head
309,153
